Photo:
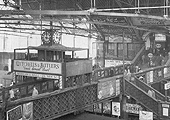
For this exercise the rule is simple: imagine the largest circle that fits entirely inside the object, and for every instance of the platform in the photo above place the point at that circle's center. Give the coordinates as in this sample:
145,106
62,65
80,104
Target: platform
86,116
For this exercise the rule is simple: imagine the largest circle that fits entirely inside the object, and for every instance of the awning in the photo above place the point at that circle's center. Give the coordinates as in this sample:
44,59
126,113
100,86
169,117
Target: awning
56,47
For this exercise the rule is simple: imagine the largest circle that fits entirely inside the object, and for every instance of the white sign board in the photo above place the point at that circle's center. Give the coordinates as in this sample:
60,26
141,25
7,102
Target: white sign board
147,21
38,66
145,115
38,75
116,108
133,108
109,63
167,86
160,37
165,112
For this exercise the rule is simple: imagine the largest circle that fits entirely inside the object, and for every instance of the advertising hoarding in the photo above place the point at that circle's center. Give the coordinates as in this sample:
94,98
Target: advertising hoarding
21,112
160,37
15,113
116,108
133,108
98,108
38,66
145,115
107,107
38,75
27,111
107,88
109,63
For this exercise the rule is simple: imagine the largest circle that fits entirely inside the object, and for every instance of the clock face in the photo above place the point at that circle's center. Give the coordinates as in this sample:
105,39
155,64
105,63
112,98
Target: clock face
56,37
46,37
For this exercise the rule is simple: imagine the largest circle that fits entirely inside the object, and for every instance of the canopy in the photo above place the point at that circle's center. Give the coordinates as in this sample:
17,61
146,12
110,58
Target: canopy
56,47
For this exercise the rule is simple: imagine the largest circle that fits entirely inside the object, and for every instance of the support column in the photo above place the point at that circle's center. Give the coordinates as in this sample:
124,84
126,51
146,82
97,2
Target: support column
51,32
123,113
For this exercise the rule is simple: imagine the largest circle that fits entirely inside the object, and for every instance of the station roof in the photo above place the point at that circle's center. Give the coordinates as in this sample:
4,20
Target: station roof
56,47
90,18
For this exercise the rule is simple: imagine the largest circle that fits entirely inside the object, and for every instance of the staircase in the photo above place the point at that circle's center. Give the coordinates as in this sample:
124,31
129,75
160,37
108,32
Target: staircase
138,56
139,91
145,87
142,97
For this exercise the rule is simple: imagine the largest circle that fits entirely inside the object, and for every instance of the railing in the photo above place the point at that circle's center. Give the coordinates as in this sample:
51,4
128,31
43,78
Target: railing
155,74
138,56
145,87
108,72
142,97
56,104
117,70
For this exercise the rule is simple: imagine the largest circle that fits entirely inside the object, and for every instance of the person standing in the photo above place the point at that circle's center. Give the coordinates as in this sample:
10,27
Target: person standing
35,91
11,94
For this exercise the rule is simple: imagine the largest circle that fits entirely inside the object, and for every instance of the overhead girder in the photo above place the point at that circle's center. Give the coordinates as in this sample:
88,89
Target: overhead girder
85,5
76,13
110,24
94,25
89,13
130,23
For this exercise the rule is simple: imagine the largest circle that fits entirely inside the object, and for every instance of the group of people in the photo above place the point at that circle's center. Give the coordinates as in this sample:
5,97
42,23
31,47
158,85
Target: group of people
15,93
155,57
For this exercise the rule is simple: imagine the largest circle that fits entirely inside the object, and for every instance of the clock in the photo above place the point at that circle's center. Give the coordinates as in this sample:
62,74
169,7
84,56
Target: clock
46,37
56,37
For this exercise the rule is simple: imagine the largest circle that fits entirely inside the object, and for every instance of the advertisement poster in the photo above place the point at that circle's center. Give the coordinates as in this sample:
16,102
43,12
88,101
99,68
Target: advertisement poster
21,112
27,111
167,72
38,66
165,112
37,75
133,108
116,108
89,109
109,63
149,77
117,87
107,107
98,108
15,113
165,109
145,115
107,88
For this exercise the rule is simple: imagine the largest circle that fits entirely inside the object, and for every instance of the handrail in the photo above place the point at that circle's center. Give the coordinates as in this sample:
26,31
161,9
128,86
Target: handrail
45,95
146,87
167,62
138,55
141,96
108,72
